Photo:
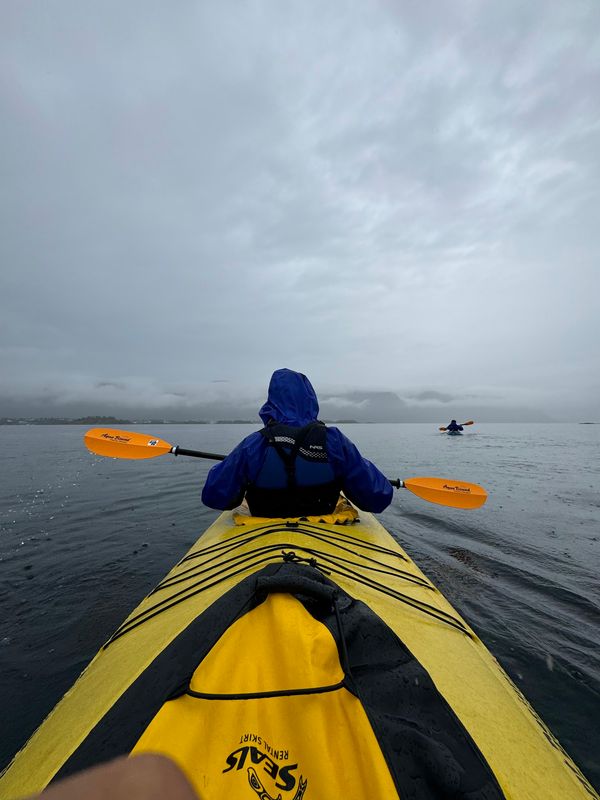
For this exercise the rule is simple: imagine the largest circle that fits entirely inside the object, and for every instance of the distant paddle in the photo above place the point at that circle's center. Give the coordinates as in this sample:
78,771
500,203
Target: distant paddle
470,422
125,444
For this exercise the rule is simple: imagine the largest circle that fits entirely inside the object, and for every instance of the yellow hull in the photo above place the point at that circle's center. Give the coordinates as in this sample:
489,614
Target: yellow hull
254,716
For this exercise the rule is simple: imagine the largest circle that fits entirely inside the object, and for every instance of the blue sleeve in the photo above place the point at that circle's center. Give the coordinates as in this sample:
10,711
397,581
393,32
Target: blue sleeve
226,481
362,483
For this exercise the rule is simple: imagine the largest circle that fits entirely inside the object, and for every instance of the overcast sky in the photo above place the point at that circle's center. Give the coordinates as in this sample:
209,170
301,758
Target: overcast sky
399,196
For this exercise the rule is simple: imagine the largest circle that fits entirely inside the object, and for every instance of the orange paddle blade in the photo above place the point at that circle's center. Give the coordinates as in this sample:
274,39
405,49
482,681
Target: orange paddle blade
447,492
443,429
124,444
470,422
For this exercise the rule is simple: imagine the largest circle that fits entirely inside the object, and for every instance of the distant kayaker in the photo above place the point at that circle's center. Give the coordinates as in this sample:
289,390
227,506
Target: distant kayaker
454,426
295,466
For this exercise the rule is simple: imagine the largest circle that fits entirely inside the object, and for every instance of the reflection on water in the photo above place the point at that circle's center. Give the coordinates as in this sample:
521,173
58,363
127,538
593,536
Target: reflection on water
83,538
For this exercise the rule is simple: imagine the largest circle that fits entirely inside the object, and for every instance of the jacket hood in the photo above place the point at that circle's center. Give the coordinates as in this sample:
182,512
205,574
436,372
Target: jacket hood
291,399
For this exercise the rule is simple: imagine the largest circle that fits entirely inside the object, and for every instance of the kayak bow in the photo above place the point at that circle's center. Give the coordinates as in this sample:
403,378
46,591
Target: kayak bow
290,659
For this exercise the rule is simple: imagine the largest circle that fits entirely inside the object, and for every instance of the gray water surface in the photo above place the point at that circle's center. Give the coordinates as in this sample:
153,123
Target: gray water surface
84,538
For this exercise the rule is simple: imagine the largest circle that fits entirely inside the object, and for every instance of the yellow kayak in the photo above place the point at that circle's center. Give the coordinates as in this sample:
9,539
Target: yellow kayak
290,659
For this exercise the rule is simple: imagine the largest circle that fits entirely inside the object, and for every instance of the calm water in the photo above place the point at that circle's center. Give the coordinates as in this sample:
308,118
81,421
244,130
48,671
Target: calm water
83,538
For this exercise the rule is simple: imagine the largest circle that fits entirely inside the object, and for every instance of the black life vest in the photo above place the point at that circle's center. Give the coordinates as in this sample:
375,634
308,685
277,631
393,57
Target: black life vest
296,478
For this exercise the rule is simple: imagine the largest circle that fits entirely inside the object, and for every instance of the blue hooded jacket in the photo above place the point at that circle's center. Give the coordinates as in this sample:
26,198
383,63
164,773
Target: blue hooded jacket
292,401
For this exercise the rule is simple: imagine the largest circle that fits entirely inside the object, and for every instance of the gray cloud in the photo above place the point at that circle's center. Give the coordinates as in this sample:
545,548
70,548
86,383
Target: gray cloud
431,396
390,195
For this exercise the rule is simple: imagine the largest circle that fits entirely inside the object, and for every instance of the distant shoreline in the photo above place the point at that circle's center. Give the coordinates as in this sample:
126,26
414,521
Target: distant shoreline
104,421
108,422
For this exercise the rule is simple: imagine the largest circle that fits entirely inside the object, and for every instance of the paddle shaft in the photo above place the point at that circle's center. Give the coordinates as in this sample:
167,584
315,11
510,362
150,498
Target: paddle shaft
182,451
114,443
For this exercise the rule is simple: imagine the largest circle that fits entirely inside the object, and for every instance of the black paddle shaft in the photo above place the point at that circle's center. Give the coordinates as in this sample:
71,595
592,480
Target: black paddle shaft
181,451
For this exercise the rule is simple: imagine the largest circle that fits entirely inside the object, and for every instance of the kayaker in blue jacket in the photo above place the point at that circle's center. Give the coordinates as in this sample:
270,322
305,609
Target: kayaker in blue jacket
454,426
295,466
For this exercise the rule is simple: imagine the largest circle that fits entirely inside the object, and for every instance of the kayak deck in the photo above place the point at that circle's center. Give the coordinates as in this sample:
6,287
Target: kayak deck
366,563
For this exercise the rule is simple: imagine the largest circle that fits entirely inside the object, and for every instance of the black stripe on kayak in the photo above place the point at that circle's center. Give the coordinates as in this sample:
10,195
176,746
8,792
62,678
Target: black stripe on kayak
428,751
318,531
215,573
275,554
